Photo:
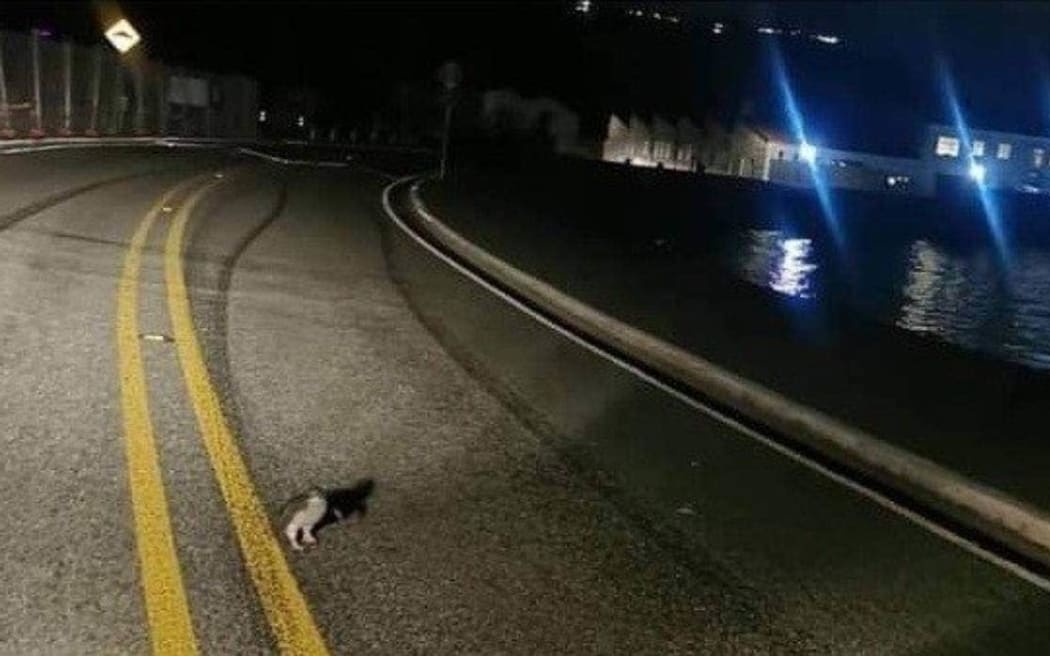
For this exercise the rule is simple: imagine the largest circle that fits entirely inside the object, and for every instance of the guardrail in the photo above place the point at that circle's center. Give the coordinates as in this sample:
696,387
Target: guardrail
995,526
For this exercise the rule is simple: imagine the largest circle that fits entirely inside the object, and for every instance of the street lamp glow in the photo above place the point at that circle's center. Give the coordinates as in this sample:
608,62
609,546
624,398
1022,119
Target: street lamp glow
262,115
977,172
807,153
123,36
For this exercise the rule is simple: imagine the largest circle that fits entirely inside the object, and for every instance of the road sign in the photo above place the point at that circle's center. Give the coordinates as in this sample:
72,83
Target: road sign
122,36
450,74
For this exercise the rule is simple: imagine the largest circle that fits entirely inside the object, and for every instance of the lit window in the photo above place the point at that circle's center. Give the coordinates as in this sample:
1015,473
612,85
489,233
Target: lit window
978,148
1004,151
1038,154
947,147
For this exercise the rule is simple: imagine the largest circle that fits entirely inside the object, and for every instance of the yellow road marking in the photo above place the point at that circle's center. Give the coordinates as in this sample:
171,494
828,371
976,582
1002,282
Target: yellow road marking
167,612
285,607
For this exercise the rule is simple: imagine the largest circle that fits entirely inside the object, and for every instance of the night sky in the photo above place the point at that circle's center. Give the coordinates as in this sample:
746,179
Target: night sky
354,53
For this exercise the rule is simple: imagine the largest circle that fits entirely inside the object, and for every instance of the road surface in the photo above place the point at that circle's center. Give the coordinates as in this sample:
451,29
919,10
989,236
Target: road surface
190,338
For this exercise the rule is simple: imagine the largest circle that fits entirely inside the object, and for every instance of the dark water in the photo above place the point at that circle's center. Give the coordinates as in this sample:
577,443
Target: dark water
926,265
964,290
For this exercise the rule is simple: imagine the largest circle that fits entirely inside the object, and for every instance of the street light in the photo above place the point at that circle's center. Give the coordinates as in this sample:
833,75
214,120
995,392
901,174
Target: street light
807,153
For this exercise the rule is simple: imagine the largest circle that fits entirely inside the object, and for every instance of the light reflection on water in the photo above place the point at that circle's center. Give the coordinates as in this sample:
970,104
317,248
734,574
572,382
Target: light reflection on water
945,296
964,298
784,264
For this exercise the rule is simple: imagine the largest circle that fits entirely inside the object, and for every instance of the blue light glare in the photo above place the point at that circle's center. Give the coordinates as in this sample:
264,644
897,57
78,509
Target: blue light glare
988,204
977,172
807,153
798,127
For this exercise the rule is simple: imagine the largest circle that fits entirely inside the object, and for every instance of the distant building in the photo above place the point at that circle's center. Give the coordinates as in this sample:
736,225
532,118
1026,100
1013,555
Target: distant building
660,145
999,159
762,154
743,151
849,169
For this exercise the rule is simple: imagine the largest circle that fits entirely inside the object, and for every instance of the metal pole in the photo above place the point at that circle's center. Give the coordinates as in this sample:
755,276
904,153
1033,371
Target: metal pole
5,109
119,99
162,101
445,138
207,110
67,77
140,101
38,115
96,92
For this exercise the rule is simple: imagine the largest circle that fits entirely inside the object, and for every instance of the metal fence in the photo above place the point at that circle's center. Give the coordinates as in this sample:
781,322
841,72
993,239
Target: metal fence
50,88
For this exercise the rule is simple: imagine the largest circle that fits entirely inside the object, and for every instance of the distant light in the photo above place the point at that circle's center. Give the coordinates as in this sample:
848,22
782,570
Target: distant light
301,121
656,15
718,28
807,153
977,172
45,32
583,6
123,36
262,115
829,39
769,30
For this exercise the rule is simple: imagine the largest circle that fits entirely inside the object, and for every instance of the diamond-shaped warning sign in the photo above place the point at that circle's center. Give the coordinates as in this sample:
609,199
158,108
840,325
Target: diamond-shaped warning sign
122,35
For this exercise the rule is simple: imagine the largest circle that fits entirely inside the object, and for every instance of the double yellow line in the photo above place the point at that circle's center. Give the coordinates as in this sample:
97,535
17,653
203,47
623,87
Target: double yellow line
171,629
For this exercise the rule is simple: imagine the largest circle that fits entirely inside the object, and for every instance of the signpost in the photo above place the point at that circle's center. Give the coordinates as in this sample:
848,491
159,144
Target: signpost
123,36
96,94
451,75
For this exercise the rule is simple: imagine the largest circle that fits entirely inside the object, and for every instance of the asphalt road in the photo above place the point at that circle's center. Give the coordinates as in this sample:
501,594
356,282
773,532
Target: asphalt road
283,354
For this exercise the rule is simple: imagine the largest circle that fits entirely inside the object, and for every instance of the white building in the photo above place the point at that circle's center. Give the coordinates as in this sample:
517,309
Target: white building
747,151
752,152
997,159
743,151
660,145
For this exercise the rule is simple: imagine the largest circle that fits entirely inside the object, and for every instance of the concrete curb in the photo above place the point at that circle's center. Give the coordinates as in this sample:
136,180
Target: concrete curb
17,146
1019,526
